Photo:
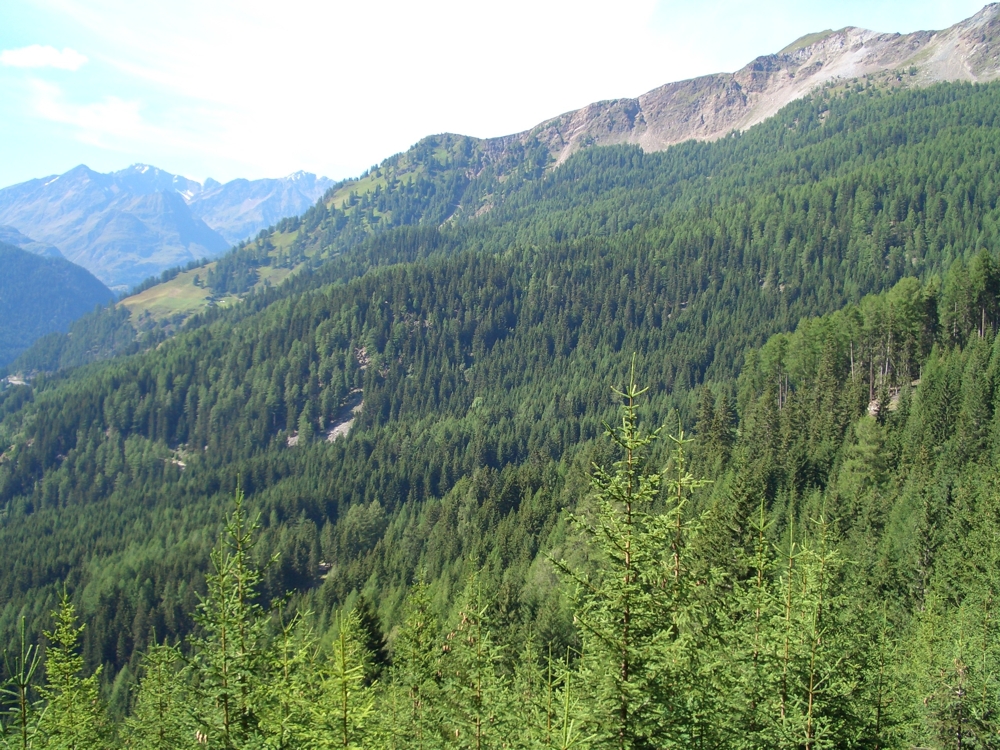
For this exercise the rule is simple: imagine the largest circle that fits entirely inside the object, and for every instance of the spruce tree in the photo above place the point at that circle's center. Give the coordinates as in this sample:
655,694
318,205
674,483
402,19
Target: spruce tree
289,686
414,688
747,669
548,709
74,717
230,648
475,691
638,607
161,718
343,713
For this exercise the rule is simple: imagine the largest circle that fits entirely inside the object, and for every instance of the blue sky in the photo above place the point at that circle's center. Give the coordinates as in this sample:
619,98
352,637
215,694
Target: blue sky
227,88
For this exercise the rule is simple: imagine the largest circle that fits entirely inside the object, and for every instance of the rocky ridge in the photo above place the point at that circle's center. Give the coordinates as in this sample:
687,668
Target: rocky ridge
710,107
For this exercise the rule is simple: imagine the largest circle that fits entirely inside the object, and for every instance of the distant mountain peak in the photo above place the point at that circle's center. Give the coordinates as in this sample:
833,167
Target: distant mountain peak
127,225
241,208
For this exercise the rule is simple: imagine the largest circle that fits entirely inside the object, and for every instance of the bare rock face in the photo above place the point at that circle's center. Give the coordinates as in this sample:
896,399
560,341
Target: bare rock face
710,107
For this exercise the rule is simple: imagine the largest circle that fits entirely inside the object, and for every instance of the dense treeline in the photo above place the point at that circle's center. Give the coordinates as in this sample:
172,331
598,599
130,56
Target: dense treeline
482,349
105,333
775,642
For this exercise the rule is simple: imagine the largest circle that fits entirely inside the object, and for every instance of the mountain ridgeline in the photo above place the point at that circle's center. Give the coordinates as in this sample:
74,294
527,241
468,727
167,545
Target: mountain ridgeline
138,222
416,412
10,236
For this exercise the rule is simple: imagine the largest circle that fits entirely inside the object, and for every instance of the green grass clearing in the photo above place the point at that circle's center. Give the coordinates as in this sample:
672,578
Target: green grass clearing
179,296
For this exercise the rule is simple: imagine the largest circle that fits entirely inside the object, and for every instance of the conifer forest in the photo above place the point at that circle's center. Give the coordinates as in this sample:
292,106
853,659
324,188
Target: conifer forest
687,449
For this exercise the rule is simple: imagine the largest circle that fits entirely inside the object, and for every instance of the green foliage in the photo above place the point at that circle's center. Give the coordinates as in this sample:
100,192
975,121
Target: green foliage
74,716
779,650
639,611
343,714
103,333
475,712
414,687
230,652
161,717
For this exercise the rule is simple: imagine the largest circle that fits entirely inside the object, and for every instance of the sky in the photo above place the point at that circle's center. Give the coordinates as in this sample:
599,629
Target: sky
246,88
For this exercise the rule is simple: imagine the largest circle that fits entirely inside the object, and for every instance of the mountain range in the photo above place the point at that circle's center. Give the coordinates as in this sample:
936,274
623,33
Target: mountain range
134,223
241,208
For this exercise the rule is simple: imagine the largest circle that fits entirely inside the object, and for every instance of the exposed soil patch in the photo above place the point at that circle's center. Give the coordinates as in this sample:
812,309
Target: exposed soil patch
344,420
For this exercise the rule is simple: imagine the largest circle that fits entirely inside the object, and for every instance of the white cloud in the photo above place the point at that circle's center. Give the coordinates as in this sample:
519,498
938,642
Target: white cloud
96,122
119,125
38,56
336,86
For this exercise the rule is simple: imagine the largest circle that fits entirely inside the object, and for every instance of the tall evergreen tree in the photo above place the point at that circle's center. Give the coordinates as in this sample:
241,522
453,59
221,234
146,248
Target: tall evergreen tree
74,717
161,718
637,604
229,652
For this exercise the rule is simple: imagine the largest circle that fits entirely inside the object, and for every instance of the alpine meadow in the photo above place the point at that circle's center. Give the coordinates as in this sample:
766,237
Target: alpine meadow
500,447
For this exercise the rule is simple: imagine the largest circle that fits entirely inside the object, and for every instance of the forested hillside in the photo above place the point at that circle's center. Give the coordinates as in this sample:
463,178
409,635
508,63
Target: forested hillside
41,295
849,456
